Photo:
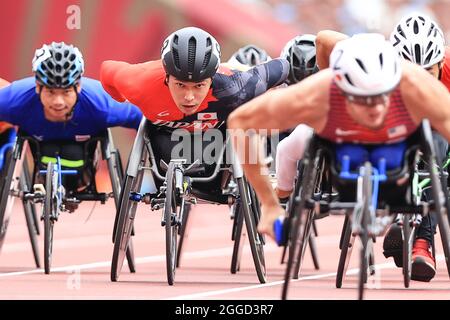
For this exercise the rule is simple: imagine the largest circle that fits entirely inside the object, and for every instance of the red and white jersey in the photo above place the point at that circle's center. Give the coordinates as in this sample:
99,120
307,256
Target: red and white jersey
445,76
341,128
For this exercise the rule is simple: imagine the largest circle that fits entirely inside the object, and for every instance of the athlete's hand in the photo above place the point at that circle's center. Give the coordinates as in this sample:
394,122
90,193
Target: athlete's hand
268,216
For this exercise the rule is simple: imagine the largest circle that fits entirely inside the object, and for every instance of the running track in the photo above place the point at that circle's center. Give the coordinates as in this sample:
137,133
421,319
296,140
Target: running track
83,249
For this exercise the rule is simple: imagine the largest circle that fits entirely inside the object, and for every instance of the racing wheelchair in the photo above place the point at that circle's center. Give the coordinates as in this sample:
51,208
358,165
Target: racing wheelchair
61,193
179,187
8,139
370,199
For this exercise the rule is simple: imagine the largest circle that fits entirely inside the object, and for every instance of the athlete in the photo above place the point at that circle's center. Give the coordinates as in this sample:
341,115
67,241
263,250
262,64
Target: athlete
183,90
367,97
60,108
417,38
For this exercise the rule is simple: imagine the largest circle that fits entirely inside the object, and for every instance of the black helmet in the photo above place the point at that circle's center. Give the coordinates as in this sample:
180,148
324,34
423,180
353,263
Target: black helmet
250,55
301,54
58,65
190,54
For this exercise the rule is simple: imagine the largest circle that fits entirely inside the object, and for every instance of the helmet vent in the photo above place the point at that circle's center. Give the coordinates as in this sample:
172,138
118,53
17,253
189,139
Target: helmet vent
175,40
416,27
428,58
361,65
191,53
417,53
58,56
348,79
381,59
206,60
176,58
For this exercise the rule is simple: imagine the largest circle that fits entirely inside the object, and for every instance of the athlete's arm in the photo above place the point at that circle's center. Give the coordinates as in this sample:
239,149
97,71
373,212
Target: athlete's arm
123,114
305,102
124,81
325,42
425,97
272,74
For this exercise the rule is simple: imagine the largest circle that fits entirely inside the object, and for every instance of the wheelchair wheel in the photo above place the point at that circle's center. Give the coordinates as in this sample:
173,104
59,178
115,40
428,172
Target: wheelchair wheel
126,214
30,211
346,246
182,231
116,174
299,218
239,238
408,239
28,181
171,222
50,212
440,208
6,201
313,247
364,234
251,219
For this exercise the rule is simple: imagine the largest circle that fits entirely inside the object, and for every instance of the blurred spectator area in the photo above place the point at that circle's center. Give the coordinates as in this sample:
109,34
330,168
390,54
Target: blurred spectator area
353,16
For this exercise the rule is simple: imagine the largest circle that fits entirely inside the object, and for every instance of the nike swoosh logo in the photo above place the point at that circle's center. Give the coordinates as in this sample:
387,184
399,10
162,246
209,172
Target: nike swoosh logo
340,132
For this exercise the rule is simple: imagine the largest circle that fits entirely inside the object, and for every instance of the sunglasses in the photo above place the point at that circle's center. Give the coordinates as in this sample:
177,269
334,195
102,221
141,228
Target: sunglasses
369,101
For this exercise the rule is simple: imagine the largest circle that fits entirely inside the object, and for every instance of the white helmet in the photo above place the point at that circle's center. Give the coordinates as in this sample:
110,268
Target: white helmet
365,65
419,39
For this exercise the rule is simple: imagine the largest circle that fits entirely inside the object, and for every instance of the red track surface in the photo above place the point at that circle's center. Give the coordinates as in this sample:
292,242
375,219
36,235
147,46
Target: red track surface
83,249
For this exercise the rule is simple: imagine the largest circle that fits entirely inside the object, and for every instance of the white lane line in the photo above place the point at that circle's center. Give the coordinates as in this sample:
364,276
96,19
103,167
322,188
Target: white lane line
226,251
388,265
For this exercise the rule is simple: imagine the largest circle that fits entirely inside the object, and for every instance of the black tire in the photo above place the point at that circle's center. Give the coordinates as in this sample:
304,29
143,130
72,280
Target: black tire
182,231
408,239
300,218
346,246
254,238
170,218
306,237
238,237
364,235
50,212
116,176
28,181
440,209
28,208
127,212
7,183
313,249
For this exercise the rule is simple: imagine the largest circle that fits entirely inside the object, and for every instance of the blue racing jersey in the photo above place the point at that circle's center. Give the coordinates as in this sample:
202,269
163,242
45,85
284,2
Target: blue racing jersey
94,112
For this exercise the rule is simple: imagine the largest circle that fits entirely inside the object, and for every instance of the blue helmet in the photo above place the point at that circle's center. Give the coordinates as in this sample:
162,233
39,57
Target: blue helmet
58,65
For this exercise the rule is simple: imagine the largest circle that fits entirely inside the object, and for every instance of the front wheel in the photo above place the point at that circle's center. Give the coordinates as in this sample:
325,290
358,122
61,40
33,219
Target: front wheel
50,213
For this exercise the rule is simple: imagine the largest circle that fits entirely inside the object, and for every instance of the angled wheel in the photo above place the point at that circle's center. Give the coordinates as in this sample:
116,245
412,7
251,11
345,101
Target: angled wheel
182,231
126,214
238,236
346,246
50,212
116,175
28,181
251,218
299,218
30,212
365,221
408,239
9,181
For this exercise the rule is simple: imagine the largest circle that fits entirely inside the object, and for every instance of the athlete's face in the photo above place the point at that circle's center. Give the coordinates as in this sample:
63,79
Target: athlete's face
57,102
434,69
368,112
188,95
